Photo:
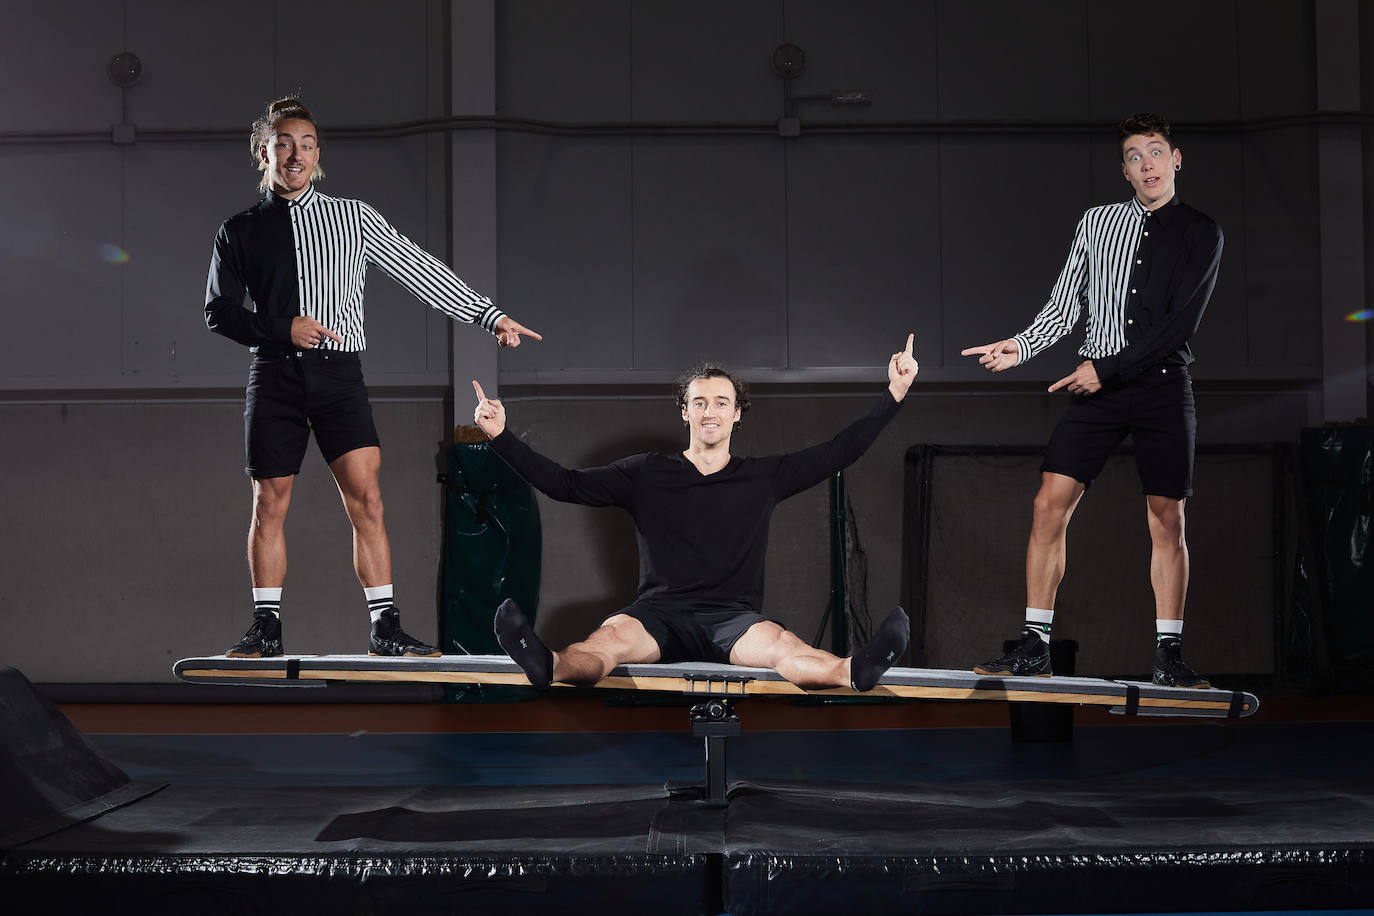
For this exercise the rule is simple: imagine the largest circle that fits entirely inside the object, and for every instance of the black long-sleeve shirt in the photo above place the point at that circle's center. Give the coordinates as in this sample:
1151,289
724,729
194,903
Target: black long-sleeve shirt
1145,275
701,536
309,256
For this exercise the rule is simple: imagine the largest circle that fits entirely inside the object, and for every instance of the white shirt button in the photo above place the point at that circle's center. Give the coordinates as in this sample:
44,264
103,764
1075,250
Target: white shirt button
1132,292
1130,321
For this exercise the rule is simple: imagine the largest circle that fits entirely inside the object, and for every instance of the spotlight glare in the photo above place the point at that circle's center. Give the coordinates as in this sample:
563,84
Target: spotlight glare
1361,315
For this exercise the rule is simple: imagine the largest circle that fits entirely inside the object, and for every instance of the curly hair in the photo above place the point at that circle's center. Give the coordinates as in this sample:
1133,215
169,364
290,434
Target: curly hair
1144,123
712,370
265,128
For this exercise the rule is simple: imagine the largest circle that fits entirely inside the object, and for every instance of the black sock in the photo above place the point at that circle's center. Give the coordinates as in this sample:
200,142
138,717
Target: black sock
870,662
516,636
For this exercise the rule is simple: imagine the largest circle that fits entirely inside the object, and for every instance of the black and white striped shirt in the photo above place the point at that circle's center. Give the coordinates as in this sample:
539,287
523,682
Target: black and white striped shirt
1146,277
309,256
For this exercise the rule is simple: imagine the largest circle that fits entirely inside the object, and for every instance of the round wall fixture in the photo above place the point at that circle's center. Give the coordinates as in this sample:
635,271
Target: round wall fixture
124,69
789,61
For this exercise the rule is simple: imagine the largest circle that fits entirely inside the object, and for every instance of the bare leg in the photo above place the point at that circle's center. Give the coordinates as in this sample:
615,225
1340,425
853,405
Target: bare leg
767,645
620,640
1168,556
267,533
356,474
1046,553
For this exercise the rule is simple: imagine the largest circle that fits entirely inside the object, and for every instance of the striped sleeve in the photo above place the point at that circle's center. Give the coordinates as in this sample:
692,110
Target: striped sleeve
423,275
1060,314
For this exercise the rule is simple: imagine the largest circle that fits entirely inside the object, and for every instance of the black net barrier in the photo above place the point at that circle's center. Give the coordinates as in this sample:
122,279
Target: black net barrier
492,550
1339,493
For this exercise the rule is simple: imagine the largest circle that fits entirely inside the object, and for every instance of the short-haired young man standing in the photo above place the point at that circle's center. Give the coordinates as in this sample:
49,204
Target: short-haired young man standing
1145,268
303,257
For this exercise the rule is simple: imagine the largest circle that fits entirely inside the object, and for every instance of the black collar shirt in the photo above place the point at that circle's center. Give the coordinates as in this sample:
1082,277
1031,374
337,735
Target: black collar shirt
309,256
1145,276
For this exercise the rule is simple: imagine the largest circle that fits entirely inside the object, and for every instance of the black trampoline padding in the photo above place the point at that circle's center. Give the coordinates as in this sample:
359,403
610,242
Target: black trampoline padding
381,849
1091,846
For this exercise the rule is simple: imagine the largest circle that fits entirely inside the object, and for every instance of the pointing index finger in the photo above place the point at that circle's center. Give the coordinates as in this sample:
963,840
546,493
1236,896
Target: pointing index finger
910,339
481,395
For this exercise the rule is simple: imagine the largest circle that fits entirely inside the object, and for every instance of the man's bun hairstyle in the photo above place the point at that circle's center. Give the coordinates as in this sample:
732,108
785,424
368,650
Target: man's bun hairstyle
265,128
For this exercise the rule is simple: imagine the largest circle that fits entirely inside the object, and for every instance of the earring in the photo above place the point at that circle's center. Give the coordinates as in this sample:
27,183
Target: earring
1178,166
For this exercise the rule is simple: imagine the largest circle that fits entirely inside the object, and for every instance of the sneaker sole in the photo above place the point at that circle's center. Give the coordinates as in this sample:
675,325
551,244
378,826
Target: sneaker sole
407,655
252,655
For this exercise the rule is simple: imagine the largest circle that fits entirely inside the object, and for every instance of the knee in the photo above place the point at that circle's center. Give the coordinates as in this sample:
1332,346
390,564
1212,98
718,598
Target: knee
1048,512
1166,524
270,503
366,506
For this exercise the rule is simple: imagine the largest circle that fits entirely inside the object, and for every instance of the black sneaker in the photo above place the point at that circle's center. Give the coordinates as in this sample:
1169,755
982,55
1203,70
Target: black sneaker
1172,671
1030,658
389,639
263,639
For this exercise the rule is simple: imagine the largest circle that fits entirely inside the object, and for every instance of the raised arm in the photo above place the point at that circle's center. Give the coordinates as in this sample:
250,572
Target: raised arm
801,470
612,485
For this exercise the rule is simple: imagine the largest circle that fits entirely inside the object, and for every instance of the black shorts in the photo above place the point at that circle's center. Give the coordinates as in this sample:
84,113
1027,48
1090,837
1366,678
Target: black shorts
1156,410
693,631
289,395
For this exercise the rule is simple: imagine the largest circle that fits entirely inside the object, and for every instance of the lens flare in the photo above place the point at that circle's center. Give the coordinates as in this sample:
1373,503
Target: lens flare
1361,315
112,253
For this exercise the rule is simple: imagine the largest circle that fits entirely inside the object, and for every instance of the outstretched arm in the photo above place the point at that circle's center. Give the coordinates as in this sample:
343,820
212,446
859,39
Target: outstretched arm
612,485
800,470
1054,320
432,282
995,357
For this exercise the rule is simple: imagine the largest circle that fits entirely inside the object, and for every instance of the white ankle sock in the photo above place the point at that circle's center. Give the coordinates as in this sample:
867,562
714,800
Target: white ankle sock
267,599
1040,620
378,600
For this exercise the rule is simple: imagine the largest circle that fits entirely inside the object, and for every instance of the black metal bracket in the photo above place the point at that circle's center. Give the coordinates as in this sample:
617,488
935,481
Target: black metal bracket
714,721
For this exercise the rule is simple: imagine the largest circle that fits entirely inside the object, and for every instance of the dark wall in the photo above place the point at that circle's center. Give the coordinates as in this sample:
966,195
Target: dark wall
648,214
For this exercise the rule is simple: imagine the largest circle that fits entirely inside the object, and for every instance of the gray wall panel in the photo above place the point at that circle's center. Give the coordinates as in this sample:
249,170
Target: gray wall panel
59,51
354,62
1008,211
863,245
709,256
1181,63
1000,59
1277,58
561,61
565,228
1283,265
705,61
170,237
137,575
201,71
62,292
887,48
